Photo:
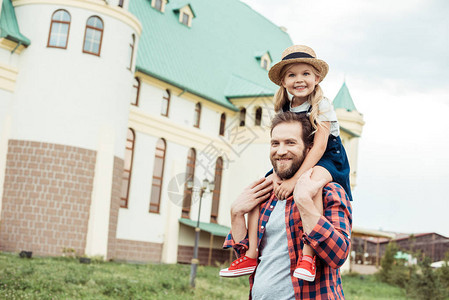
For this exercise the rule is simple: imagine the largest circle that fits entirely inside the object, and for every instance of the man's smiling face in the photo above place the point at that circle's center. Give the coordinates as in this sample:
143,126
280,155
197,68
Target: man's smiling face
287,150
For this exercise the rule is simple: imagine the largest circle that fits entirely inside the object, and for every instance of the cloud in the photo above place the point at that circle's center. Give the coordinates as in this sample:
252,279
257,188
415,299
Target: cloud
405,39
393,55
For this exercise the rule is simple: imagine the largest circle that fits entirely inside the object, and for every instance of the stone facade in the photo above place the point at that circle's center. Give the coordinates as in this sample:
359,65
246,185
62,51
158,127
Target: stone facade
46,197
115,206
185,254
136,251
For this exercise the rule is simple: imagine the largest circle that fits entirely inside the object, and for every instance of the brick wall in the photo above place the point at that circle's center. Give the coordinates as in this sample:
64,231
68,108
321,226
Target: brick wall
46,197
128,250
185,254
115,206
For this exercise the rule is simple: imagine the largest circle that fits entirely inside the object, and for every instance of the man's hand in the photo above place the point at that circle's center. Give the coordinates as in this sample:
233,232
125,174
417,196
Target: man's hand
304,191
251,196
306,188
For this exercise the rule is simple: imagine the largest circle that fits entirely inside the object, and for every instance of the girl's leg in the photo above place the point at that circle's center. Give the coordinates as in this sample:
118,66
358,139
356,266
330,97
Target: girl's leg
253,223
246,264
317,174
305,268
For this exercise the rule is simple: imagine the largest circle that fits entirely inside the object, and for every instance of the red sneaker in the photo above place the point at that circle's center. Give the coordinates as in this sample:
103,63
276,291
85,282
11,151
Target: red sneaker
240,267
306,268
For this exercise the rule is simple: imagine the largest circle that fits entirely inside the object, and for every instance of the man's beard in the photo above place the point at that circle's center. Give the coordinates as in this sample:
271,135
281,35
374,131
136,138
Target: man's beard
288,173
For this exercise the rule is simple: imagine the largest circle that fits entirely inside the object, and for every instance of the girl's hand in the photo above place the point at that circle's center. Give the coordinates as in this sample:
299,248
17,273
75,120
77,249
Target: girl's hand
276,181
285,189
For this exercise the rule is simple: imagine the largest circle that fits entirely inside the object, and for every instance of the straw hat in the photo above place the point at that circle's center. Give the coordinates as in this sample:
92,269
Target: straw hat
298,54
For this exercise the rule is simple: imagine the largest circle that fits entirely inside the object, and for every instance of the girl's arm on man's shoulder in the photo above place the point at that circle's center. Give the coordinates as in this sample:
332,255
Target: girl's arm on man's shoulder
316,152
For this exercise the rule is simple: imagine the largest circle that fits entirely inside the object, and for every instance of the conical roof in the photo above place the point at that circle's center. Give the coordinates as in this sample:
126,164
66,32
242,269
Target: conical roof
9,27
344,99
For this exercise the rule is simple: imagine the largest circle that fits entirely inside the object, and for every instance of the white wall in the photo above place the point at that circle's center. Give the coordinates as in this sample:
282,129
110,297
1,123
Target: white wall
252,164
65,96
8,58
181,110
136,222
6,99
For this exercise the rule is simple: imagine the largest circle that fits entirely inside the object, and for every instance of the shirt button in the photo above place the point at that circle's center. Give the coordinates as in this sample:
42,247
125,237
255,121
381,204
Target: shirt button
271,206
338,151
334,140
262,227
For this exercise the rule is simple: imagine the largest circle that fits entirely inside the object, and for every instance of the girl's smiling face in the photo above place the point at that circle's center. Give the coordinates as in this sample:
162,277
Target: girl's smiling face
300,81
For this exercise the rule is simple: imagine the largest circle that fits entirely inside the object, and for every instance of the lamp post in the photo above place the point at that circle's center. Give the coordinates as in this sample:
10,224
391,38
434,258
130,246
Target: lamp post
206,186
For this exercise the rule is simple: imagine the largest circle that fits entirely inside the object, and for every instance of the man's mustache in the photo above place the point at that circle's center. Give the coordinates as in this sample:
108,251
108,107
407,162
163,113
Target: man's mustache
282,157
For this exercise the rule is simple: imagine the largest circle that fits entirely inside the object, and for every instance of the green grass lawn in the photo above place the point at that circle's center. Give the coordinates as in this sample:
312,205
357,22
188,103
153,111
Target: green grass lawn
66,278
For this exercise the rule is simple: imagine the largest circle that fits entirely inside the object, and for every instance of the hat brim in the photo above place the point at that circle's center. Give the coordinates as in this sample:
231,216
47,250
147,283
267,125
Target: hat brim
275,71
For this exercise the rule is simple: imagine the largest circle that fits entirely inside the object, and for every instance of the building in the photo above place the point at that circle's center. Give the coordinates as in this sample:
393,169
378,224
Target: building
113,113
431,244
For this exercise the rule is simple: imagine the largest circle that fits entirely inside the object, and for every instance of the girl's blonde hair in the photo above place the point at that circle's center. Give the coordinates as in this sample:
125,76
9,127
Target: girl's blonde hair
281,98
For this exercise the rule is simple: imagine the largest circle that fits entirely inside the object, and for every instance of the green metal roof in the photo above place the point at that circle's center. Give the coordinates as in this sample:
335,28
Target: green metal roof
344,99
9,28
212,228
239,87
206,58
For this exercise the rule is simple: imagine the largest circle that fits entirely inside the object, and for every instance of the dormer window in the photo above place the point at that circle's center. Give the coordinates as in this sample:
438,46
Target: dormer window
265,64
185,19
265,60
159,4
186,14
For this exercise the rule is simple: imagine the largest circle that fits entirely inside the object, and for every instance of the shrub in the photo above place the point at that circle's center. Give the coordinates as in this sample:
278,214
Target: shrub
443,275
420,282
393,271
425,284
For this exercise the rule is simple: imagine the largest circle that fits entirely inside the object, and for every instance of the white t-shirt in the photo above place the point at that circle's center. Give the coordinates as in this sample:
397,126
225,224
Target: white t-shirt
326,113
272,279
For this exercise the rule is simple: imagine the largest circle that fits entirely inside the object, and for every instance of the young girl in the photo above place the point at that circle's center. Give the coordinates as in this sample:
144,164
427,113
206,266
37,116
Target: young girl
298,74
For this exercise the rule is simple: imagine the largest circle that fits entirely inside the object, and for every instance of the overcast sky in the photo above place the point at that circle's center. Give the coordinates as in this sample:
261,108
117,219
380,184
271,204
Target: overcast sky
394,56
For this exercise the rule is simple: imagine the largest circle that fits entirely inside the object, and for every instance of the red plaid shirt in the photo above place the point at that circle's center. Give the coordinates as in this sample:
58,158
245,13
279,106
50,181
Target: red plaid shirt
330,238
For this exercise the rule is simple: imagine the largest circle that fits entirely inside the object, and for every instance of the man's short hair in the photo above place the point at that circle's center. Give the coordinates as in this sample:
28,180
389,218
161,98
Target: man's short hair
291,117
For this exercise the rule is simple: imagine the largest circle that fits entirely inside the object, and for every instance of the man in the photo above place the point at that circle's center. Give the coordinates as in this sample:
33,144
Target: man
285,225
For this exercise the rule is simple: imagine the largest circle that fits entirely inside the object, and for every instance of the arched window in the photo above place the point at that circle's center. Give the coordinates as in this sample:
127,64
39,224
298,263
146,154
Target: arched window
222,124
216,191
131,51
242,116
136,92
127,168
93,36
158,175
258,116
59,29
197,115
165,103
190,173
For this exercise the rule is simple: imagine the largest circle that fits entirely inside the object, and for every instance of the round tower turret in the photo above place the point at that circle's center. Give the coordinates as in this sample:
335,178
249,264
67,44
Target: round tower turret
68,126
351,125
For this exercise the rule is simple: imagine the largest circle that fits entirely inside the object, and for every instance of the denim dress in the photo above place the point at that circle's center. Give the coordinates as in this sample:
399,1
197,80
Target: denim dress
334,159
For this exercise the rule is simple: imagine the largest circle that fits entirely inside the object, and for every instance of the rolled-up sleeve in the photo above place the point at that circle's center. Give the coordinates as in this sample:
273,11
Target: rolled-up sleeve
330,238
240,248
